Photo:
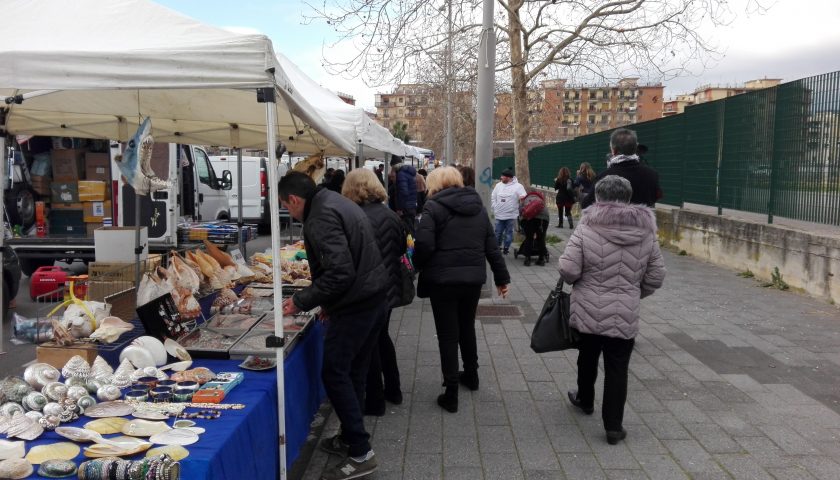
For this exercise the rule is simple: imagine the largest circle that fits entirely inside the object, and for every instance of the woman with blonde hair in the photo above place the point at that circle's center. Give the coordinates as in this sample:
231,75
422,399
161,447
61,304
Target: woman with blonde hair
363,188
454,240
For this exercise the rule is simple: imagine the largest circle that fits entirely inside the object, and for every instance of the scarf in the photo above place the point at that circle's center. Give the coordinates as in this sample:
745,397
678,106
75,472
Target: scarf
621,159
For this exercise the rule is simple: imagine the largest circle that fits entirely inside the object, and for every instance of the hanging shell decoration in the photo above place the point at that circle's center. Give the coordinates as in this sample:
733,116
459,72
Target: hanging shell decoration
14,389
76,367
40,374
55,391
100,369
34,401
110,330
8,409
15,468
24,427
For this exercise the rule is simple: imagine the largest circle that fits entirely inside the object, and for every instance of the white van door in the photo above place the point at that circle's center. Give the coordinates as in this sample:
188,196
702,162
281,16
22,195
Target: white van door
212,195
252,189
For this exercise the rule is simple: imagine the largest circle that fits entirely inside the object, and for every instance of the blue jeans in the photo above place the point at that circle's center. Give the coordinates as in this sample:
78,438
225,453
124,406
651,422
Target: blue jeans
504,231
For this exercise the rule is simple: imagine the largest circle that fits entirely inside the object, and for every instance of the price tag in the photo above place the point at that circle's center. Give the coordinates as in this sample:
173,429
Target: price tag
237,256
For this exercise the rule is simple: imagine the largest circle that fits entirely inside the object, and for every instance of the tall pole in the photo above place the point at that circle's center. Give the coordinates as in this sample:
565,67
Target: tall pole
484,113
239,223
5,175
450,150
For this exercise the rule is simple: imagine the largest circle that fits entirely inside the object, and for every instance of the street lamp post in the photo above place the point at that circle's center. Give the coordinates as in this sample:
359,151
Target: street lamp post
450,149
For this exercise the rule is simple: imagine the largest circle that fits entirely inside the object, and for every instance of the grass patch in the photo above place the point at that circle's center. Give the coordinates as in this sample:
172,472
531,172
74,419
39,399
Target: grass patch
683,253
776,281
746,274
553,239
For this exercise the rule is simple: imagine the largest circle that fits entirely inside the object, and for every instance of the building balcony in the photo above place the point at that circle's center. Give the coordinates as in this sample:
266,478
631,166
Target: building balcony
381,104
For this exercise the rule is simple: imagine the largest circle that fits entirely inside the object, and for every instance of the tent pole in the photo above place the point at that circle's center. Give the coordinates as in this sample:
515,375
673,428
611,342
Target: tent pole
274,201
3,209
239,199
137,239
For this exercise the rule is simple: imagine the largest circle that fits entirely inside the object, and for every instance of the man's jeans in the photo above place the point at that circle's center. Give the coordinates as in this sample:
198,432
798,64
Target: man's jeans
348,344
504,232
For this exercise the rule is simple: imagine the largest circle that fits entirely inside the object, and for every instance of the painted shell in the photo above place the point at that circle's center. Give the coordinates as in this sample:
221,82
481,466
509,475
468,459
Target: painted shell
108,393
40,374
57,468
14,388
34,401
15,468
76,367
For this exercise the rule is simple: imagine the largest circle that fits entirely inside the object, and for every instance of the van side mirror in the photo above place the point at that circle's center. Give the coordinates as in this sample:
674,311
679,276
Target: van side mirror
227,180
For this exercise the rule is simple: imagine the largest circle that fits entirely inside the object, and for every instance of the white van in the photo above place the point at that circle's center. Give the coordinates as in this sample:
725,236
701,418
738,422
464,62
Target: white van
255,207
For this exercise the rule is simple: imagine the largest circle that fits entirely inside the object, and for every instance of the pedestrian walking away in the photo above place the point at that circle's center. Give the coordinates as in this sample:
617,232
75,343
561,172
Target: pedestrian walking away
612,260
404,192
505,203
565,196
454,242
362,187
349,279
534,215
624,162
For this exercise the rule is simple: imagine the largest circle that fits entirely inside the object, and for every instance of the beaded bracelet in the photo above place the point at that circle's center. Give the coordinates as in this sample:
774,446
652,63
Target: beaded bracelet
204,414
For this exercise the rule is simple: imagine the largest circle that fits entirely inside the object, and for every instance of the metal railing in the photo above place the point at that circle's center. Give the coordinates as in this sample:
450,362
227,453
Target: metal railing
774,151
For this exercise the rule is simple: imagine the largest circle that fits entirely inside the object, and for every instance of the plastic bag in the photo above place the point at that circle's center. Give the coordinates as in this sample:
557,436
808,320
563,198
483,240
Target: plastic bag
30,330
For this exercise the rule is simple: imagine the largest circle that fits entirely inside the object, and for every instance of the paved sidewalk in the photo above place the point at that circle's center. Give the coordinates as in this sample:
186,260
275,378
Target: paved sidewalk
728,381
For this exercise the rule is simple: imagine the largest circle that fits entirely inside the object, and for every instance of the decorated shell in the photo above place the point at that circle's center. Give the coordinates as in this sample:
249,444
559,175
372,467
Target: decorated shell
101,369
110,330
55,391
34,415
39,374
76,367
34,401
76,392
120,380
108,393
75,381
57,468
52,408
49,422
14,388
15,468
92,385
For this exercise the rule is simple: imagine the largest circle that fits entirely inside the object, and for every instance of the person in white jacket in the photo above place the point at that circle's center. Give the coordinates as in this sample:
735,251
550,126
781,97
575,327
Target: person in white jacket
505,202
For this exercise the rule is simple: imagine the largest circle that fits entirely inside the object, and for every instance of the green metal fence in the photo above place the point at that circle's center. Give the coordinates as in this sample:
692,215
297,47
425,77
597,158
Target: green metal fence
774,151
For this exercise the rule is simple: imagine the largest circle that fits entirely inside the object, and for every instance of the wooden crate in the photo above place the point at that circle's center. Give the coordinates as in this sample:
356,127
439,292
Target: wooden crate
57,355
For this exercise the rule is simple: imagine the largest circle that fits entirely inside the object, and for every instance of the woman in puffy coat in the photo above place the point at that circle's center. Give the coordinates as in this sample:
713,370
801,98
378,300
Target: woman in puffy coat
612,260
363,188
454,241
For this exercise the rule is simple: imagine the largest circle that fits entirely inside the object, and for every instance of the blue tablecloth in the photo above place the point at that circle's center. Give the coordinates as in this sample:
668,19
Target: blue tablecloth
244,443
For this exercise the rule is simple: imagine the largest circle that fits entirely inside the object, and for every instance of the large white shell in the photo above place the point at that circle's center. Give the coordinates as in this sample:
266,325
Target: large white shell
110,330
76,367
24,427
15,468
154,346
176,350
10,449
101,369
40,374
138,356
108,393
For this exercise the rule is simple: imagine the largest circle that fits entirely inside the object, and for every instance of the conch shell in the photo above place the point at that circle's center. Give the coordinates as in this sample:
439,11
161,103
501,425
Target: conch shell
313,165
111,329
213,278
226,297
184,275
223,258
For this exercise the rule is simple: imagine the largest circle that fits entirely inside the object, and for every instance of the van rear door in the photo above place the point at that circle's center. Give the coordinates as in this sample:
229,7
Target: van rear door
251,188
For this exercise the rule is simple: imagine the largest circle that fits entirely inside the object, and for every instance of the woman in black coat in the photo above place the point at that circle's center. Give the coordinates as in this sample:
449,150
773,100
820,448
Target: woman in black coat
454,240
362,187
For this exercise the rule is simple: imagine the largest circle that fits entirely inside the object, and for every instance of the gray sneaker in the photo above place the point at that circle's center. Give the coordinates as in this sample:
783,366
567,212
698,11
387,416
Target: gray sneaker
335,445
350,468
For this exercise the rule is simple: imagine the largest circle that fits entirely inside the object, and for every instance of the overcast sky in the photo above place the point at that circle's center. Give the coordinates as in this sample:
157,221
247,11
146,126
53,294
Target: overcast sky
794,39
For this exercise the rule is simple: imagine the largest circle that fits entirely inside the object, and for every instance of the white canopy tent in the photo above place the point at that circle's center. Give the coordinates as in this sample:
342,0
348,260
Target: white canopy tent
95,69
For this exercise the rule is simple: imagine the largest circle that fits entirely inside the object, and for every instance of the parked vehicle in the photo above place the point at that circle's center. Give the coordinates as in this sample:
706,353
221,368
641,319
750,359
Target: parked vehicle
255,207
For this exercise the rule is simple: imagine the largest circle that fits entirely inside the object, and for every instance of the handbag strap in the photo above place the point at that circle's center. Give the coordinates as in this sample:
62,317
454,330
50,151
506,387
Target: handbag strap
559,286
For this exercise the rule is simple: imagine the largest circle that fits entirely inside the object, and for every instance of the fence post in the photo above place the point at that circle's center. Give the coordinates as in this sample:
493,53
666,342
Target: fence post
719,179
774,156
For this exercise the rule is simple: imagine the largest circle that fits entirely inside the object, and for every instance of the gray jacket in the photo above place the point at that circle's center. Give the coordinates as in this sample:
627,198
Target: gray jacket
613,261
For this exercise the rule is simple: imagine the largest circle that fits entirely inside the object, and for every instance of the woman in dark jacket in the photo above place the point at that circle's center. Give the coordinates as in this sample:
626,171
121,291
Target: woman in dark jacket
362,187
454,240
565,196
584,180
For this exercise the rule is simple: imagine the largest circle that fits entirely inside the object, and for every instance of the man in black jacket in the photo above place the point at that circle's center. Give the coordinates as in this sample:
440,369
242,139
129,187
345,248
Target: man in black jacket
624,162
349,280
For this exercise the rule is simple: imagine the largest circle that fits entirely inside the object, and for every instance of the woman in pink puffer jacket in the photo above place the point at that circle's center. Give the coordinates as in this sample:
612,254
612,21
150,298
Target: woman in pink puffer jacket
613,261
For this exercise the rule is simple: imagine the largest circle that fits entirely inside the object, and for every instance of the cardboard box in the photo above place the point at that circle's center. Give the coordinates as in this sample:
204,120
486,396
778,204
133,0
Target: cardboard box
68,165
92,191
58,356
116,244
67,206
98,166
95,212
64,192
41,185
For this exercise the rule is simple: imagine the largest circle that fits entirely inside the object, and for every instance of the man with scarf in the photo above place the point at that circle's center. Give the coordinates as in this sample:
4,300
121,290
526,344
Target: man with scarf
625,163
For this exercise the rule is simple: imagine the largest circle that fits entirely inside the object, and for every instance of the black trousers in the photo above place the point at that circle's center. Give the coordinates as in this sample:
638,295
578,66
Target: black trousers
534,243
383,363
616,361
409,218
347,347
454,309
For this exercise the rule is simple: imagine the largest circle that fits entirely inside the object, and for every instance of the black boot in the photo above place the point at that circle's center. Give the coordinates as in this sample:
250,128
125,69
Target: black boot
541,261
571,225
469,379
448,400
527,261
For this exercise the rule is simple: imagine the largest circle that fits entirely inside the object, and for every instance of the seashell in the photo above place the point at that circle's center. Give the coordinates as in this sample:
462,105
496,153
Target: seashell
5,421
15,468
34,401
154,347
76,367
85,402
123,446
100,369
201,375
110,330
125,368
177,366
55,391
107,425
144,428
34,415
75,381
14,388
76,392
57,468
108,393
52,408
176,452
2,397
176,436
24,428
109,409
92,385
10,449
55,451
39,374
8,409
138,356
49,422
120,380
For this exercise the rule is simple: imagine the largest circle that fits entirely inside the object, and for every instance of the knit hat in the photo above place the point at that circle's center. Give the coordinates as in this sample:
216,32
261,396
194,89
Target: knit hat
507,173
395,160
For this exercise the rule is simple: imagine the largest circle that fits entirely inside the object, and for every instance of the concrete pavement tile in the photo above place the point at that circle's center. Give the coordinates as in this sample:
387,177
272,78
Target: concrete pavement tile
544,475
664,389
702,373
422,467
626,475
545,391
501,466
421,442
495,439
463,473
661,467
506,365
821,467
664,363
713,438
685,411
555,412
641,441
567,439
728,393
764,451
664,426
490,413
790,394
535,452
692,457
742,467
581,465
559,365
512,382
744,382
790,473
461,452
788,440
536,372
617,457
390,454
643,401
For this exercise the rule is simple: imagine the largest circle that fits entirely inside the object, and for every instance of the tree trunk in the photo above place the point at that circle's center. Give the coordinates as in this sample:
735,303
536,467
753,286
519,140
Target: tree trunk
519,97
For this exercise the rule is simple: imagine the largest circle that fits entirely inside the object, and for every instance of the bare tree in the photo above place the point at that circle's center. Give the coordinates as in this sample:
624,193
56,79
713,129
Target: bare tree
584,39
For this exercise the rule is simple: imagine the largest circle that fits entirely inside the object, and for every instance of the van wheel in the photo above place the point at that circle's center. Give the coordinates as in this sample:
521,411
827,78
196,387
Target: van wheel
20,204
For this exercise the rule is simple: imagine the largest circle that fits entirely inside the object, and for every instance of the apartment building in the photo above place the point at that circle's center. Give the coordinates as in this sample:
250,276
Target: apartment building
710,93
411,104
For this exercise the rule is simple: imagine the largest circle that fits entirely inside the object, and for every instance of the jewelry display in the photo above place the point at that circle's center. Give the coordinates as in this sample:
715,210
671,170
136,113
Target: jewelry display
14,389
136,396
183,394
187,385
39,374
57,468
204,414
158,467
15,468
163,397
54,451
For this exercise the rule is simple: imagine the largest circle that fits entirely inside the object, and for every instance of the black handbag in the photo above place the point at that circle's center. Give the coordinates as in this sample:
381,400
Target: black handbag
552,332
407,279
